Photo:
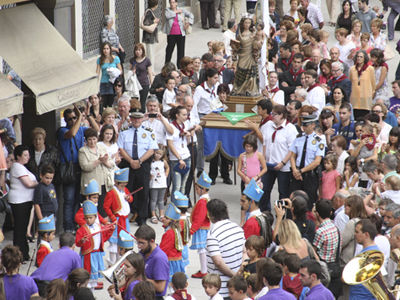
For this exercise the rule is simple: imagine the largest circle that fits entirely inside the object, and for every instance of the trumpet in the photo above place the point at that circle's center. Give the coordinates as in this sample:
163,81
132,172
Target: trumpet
117,270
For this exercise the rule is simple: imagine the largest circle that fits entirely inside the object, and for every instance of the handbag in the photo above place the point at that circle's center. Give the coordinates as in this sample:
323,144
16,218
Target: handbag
148,27
388,53
182,171
66,173
335,268
189,29
325,272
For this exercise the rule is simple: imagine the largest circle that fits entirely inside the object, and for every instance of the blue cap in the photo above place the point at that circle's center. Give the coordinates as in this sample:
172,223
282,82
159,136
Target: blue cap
180,200
92,188
122,175
125,240
253,191
204,180
89,208
172,212
47,224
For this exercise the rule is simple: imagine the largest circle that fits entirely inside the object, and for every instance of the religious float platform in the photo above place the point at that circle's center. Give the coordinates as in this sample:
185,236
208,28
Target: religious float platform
242,104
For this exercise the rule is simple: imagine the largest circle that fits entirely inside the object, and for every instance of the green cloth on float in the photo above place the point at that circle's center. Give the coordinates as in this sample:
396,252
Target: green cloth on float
236,117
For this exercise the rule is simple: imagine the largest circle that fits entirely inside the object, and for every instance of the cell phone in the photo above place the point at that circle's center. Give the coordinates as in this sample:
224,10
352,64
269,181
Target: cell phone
152,115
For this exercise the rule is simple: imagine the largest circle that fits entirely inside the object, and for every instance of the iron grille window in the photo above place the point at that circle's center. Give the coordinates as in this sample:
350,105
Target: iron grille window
158,13
5,67
125,25
92,23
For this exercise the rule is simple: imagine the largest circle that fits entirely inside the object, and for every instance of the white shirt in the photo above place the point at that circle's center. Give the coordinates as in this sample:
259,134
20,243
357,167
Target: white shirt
392,195
260,147
158,129
47,244
278,97
344,53
226,39
97,237
194,120
316,98
18,192
203,97
125,211
168,97
341,164
216,103
384,135
193,298
217,296
340,219
180,145
276,151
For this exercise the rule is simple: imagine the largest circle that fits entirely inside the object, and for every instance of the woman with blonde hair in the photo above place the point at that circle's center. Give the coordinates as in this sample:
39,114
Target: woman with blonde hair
108,118
290,240
355,34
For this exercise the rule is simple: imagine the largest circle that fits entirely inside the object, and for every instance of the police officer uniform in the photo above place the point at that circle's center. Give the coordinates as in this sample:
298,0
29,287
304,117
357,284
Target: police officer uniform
136,142
307,148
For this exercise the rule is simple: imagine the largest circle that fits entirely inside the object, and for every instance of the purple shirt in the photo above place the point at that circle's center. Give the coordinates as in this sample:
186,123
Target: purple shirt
319,292
58,264
157,267
395,106
20,288
129,292
277,294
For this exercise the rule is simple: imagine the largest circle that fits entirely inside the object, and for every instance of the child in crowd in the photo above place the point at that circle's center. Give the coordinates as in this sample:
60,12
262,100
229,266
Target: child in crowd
350,175
331,180
279,257
168,100
392,189
179,284
200,222
45,198
255,246
125,242
291,280
237,287
92,248
159,171
252,290
92,194
323,44
354,143
210,45
272,275
394,142
182,203
47,232
171,241
212,284
116,206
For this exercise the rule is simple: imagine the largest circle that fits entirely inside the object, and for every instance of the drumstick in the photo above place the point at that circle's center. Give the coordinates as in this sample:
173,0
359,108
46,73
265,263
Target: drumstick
141,188
105,228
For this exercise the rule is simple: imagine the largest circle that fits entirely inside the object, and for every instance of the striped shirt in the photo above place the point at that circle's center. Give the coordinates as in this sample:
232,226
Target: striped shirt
226,239
314,15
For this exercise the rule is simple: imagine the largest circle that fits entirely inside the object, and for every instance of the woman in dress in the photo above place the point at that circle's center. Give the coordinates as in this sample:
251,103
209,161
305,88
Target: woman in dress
141,65
175,28
16,286
246,78
150,31
178,151
345,46
316,43
362,77
189,76
294,4
22,187
378,39
96,164
345,19
355,34
381,73
105,61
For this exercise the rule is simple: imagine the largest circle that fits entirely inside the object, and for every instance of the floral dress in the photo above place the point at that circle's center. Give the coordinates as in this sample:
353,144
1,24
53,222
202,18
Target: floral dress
356,41
378,42
384,89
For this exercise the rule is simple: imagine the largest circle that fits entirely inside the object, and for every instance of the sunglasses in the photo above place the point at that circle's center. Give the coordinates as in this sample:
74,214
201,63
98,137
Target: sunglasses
327,111
72,118
118,85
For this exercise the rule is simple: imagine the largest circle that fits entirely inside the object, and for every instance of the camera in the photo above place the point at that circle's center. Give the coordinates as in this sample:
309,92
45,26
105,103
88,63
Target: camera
281,202
152,115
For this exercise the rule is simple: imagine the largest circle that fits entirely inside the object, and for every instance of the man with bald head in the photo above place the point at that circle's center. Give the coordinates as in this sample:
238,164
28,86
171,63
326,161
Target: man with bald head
335,54
225,75
192,121
338,202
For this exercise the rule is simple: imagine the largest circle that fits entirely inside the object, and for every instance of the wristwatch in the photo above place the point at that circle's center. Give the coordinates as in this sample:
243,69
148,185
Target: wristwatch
300,171
89,115
140,162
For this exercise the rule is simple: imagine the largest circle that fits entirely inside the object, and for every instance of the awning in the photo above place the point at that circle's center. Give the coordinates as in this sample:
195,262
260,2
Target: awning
10,98
47,64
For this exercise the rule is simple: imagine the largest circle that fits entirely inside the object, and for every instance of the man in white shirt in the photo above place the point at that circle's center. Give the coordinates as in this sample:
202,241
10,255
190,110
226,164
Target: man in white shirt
278,136
316,94
154,120
338,201
272,90
229,35
314,14
203,95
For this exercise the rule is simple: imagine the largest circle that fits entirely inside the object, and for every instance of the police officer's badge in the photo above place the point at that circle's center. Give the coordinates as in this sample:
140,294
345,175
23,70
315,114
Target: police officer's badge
144,135
153,136
314,142
321,146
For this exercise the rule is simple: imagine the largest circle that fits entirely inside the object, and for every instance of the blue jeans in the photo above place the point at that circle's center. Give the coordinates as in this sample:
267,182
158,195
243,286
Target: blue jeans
179,180
72,199
268,180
